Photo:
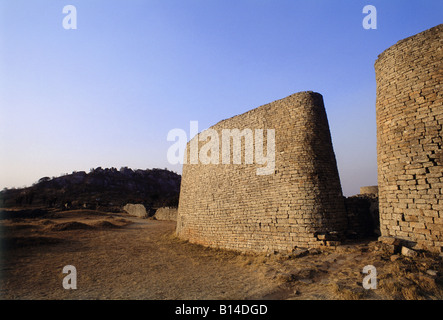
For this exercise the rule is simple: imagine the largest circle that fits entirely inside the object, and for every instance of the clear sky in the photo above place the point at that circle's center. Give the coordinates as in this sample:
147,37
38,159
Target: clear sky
108,93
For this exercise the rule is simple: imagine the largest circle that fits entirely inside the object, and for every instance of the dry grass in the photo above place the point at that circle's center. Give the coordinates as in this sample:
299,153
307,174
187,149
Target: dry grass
407,278
118,257
342,292
140,260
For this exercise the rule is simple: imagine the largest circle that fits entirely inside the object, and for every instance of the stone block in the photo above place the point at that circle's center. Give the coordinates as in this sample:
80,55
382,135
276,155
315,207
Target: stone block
408,252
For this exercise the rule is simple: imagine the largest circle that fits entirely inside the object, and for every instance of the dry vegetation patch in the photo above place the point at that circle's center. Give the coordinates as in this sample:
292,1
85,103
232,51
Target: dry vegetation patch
121,257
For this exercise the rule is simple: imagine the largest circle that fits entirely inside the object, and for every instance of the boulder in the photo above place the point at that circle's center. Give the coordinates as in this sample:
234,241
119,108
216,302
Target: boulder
389,240
136,210
408,252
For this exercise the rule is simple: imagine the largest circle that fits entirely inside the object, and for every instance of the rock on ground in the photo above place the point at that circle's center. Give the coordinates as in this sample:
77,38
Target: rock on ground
136,210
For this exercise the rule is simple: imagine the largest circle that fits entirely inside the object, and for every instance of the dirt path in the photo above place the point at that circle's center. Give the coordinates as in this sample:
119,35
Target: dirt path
141,260
119,257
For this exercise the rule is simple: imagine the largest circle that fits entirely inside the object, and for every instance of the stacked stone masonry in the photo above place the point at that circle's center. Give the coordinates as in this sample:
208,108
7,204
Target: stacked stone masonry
372,190
409,111
166,213
231,206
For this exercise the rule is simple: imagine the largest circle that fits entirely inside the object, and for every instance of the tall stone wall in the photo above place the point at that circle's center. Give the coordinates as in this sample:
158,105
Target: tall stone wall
409,139
231,206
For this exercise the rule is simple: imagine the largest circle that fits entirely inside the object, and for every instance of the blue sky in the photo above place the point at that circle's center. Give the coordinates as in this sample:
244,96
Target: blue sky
108,93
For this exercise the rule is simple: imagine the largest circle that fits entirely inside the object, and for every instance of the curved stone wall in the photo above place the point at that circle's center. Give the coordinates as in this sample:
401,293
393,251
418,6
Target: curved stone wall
409,139
232,206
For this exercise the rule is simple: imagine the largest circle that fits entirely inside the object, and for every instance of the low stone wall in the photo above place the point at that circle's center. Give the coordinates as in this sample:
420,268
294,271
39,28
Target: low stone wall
363,216
166,213
136,210
369,190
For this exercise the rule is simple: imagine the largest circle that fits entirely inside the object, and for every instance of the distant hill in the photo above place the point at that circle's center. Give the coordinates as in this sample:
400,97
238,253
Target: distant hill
108,189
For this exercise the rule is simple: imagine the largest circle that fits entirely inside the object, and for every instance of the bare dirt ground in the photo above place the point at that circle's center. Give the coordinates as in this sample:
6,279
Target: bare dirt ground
121,257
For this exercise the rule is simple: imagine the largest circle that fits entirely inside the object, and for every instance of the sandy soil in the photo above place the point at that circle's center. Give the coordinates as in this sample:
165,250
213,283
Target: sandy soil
121,257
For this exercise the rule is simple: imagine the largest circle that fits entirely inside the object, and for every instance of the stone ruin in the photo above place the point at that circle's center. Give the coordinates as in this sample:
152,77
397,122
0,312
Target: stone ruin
166,214
409,111
301,204
136,210
231,206
363,213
